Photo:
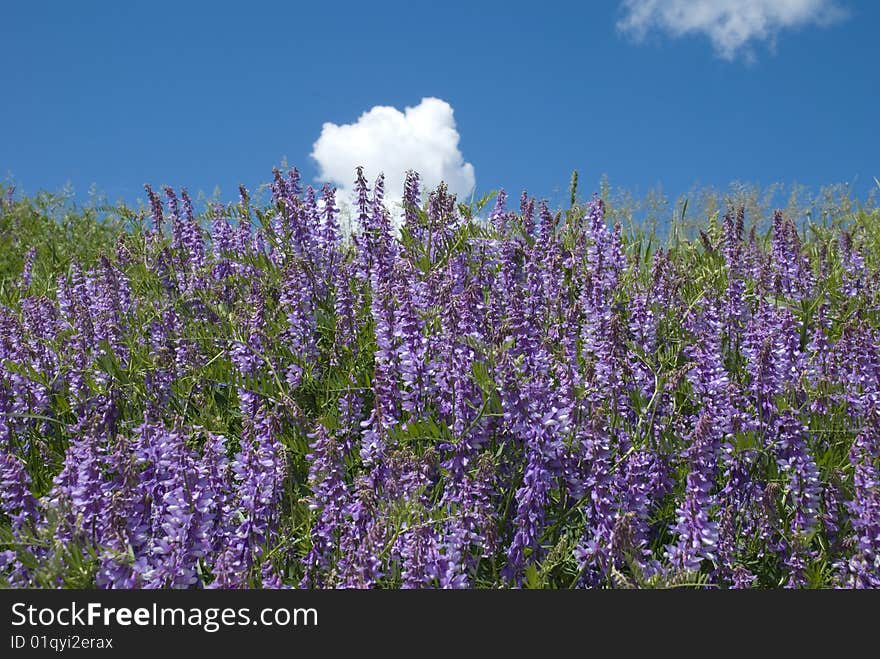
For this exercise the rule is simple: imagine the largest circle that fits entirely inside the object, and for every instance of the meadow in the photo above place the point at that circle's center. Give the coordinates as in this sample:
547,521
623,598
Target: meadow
488,395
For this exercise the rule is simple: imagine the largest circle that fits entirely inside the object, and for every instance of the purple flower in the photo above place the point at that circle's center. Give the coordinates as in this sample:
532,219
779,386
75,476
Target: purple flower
27,270
595,552
180,517
862,570
16,499
222,243
791,269
855,272
299,299
246,352
259,470
411,201
527,214
192,239
419,554
498,217
328,233
803,490
412,351
733,306
17,502
362,538
328,501
533,417
155,209
697,532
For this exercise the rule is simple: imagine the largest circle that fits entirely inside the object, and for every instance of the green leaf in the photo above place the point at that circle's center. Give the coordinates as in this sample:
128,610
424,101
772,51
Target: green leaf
533,579
109,364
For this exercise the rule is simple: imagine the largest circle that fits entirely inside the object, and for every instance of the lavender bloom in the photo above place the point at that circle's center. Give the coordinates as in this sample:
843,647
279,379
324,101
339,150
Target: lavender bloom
293,182
178,239
382,307
24,342
280,188
329,498
27,270
180,520
539,424
16,499
855,272
498,216
742,578
772,347
222,243
74,303
419,553
643,479
299,300
697,532
616,258
343,307
548,224
743,518
128,533
17,502
709,378
259,470
411,352
246,352
366,239
790,269
862,570
857,365
270,577
155,209
527,214
442,218
643,331
219,476
191,238
831,513
804,491
411,202
109,294
733,306
471,534
242,245
820,368
328,233
533,497
303,222
597,234
663,279
595,552
362,538
416,549
79,486
312,216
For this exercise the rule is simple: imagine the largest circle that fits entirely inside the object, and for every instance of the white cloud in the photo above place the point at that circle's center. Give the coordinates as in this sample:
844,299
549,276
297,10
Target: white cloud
732,25
384,139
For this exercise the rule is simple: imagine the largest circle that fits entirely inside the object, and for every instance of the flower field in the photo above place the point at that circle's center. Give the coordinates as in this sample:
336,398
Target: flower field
476,397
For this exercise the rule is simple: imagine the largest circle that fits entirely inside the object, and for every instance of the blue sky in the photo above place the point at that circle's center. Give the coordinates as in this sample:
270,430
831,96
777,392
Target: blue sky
648,92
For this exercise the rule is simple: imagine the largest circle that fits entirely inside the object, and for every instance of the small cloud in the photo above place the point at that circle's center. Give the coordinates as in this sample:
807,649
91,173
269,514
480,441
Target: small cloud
732,25
386,140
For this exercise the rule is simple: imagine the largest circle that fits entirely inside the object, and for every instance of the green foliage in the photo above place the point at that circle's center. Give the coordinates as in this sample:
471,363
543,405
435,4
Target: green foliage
60,232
